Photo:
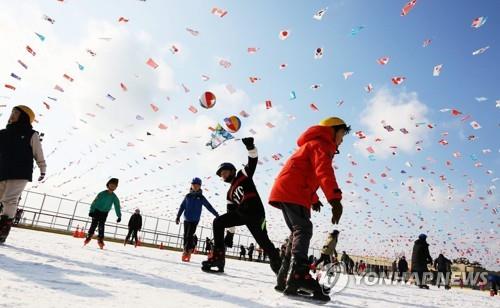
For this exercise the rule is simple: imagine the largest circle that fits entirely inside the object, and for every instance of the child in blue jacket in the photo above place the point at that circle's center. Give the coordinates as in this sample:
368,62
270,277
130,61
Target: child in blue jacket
191,207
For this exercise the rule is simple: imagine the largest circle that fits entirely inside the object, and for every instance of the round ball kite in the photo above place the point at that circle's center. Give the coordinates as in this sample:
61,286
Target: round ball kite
207,100
233,124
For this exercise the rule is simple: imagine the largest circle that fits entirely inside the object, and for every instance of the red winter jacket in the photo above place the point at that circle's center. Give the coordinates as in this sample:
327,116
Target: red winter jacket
309,168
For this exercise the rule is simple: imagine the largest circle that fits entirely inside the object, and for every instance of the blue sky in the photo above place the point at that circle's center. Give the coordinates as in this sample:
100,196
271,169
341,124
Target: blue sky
87,156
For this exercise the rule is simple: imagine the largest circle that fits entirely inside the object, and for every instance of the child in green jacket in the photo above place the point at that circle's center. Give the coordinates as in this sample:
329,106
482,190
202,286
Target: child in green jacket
99,211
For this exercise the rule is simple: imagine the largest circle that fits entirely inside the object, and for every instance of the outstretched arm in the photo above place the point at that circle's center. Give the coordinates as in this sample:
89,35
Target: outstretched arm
210,207
116,204
181,209
252,156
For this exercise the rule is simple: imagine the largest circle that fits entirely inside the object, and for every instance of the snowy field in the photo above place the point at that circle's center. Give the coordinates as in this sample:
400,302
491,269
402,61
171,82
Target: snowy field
40,269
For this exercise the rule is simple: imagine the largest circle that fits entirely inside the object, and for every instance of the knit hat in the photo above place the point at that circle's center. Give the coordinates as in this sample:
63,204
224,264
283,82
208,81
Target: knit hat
27,110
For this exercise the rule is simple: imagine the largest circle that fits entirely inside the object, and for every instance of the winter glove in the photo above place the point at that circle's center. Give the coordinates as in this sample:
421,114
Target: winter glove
228,240
119,219
91,214
317,206
248,142
177,221
336,211
41,177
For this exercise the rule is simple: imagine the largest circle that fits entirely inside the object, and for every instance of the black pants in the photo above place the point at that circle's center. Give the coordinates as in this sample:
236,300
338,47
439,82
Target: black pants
324,258
298,220
442,278
256,224
420,277
132,233
189,230
98,219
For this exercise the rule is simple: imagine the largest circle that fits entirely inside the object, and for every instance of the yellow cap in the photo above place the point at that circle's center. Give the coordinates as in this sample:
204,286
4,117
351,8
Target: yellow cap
331,121
28,111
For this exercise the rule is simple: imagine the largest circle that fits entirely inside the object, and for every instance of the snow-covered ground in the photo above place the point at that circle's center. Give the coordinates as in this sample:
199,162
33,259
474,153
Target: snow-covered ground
40,269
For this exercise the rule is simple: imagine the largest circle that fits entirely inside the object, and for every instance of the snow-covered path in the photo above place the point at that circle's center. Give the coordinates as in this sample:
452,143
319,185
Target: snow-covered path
47,270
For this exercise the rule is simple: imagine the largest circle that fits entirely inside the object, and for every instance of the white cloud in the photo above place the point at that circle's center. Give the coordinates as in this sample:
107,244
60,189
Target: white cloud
402,110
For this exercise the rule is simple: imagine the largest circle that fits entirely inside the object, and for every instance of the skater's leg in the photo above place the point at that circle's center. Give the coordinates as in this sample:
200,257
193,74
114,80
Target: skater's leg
93,226
186,231
10,191
135,236
130,232
230,219
217,259
298,220
285,266
190,230
259,232
102,222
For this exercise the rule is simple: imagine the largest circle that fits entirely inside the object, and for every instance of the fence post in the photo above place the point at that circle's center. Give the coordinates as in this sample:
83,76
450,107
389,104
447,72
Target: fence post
57,213
41,207
155,241
73,216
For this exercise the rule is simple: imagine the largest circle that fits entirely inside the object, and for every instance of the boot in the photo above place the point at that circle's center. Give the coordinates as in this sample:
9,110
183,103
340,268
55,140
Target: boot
301,280
100,242
5,225
217,259
87,240
283,272
185,256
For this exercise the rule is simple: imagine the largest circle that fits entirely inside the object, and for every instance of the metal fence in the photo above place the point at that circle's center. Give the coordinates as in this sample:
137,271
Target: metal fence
43,210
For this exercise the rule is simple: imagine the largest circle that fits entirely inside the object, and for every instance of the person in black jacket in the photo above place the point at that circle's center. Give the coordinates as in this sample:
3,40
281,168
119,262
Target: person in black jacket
243,252
403,269
443,267
134,226
19,145
419,260
244,207
251,248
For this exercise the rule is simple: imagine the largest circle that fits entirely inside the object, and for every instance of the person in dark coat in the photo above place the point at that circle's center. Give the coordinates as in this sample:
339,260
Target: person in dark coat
134,226
419,260
243,252
345,259
403,269
394,269
443,267
251,248
208,245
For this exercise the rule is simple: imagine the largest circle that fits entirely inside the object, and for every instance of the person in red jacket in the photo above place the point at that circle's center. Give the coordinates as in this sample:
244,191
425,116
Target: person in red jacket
294,192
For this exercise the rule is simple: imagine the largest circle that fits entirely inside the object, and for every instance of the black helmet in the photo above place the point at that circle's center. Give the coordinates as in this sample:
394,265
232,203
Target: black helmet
225,166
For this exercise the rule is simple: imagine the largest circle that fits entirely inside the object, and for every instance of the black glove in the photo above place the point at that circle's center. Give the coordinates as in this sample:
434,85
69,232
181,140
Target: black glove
119,219
91,214
228,240
248,142
336,210
317,206
177,221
